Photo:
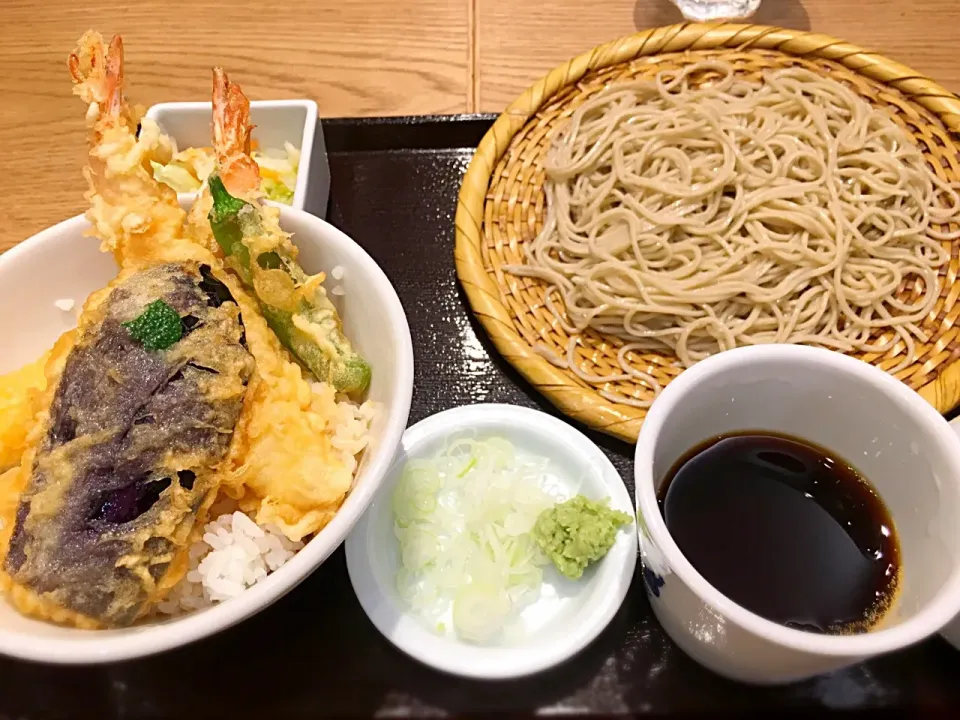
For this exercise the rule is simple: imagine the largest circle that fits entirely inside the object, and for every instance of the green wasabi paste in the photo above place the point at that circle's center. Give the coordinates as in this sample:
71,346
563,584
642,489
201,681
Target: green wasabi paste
577,532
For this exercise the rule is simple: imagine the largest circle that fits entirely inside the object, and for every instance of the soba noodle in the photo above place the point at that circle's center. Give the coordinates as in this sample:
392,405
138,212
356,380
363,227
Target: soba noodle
694,217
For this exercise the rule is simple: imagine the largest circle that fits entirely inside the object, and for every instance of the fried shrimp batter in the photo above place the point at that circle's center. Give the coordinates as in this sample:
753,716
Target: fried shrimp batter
21,398
134,216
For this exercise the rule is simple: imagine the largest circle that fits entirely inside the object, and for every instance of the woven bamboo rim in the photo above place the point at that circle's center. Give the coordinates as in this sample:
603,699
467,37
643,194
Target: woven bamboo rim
501,203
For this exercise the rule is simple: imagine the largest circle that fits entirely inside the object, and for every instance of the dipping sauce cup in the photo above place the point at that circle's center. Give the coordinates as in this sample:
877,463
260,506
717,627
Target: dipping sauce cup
900,444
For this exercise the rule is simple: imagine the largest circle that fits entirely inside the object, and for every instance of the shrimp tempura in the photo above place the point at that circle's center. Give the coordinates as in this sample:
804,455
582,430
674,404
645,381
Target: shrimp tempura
136,217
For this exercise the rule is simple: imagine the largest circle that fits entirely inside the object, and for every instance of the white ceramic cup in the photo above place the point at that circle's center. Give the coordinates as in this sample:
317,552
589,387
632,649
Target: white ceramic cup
888,432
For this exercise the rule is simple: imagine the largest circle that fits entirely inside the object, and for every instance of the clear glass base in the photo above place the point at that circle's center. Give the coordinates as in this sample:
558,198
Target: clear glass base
701,10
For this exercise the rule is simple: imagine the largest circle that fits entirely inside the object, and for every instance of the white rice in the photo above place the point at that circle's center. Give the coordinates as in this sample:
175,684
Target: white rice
337,274
65,304
234,552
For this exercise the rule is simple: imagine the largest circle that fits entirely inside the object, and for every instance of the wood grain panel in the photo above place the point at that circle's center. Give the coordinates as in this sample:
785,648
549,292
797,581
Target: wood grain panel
355,57
518,42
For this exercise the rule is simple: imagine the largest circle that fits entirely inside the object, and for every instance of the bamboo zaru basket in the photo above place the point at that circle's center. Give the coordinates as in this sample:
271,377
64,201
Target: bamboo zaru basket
502,206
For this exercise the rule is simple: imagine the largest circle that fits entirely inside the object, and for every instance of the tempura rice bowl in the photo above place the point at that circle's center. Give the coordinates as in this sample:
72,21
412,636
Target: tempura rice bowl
42,275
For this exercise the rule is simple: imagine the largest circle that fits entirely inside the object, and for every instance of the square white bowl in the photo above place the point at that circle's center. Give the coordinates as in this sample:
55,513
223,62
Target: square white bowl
275,122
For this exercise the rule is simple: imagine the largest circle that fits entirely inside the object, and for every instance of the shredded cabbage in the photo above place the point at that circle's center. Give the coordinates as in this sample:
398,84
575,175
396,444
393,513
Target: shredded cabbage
189,168
278,172
463,519
176,176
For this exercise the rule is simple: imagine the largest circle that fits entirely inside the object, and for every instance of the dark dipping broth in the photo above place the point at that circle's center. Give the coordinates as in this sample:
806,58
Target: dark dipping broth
786,529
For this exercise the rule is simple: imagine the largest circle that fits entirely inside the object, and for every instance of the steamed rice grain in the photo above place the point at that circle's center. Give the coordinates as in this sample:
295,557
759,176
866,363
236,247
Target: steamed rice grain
234,553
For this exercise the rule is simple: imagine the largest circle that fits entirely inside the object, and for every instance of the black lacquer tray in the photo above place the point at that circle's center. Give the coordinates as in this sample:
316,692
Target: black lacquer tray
394,186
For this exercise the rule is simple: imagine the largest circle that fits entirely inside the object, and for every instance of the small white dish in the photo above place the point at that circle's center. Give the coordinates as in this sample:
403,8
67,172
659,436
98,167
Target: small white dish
951,633
63,263
275,122
561,623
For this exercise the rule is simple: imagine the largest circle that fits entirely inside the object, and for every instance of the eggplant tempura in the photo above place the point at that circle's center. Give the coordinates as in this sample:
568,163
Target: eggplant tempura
187,381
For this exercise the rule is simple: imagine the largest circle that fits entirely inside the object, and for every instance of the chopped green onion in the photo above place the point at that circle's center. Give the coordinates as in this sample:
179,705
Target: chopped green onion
464,520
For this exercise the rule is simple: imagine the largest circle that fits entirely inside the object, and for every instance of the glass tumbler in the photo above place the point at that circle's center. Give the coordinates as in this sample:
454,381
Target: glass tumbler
701,10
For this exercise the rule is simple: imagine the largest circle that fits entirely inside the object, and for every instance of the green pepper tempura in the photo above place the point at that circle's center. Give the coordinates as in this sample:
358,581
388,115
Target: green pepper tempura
306,323
577,532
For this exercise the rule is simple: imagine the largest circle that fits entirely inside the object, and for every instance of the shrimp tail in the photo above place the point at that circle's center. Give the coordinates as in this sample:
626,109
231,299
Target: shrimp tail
97,74
231,137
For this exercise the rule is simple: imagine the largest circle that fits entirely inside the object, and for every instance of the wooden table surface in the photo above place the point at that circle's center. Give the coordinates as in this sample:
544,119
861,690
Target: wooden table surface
355,57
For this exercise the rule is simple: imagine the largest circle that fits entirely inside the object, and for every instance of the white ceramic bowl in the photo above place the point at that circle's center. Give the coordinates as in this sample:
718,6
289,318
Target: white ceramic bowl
59,263
951,633
568,615
900,443
275,122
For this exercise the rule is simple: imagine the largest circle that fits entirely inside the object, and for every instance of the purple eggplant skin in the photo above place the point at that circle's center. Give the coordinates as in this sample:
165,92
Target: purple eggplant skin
132,444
